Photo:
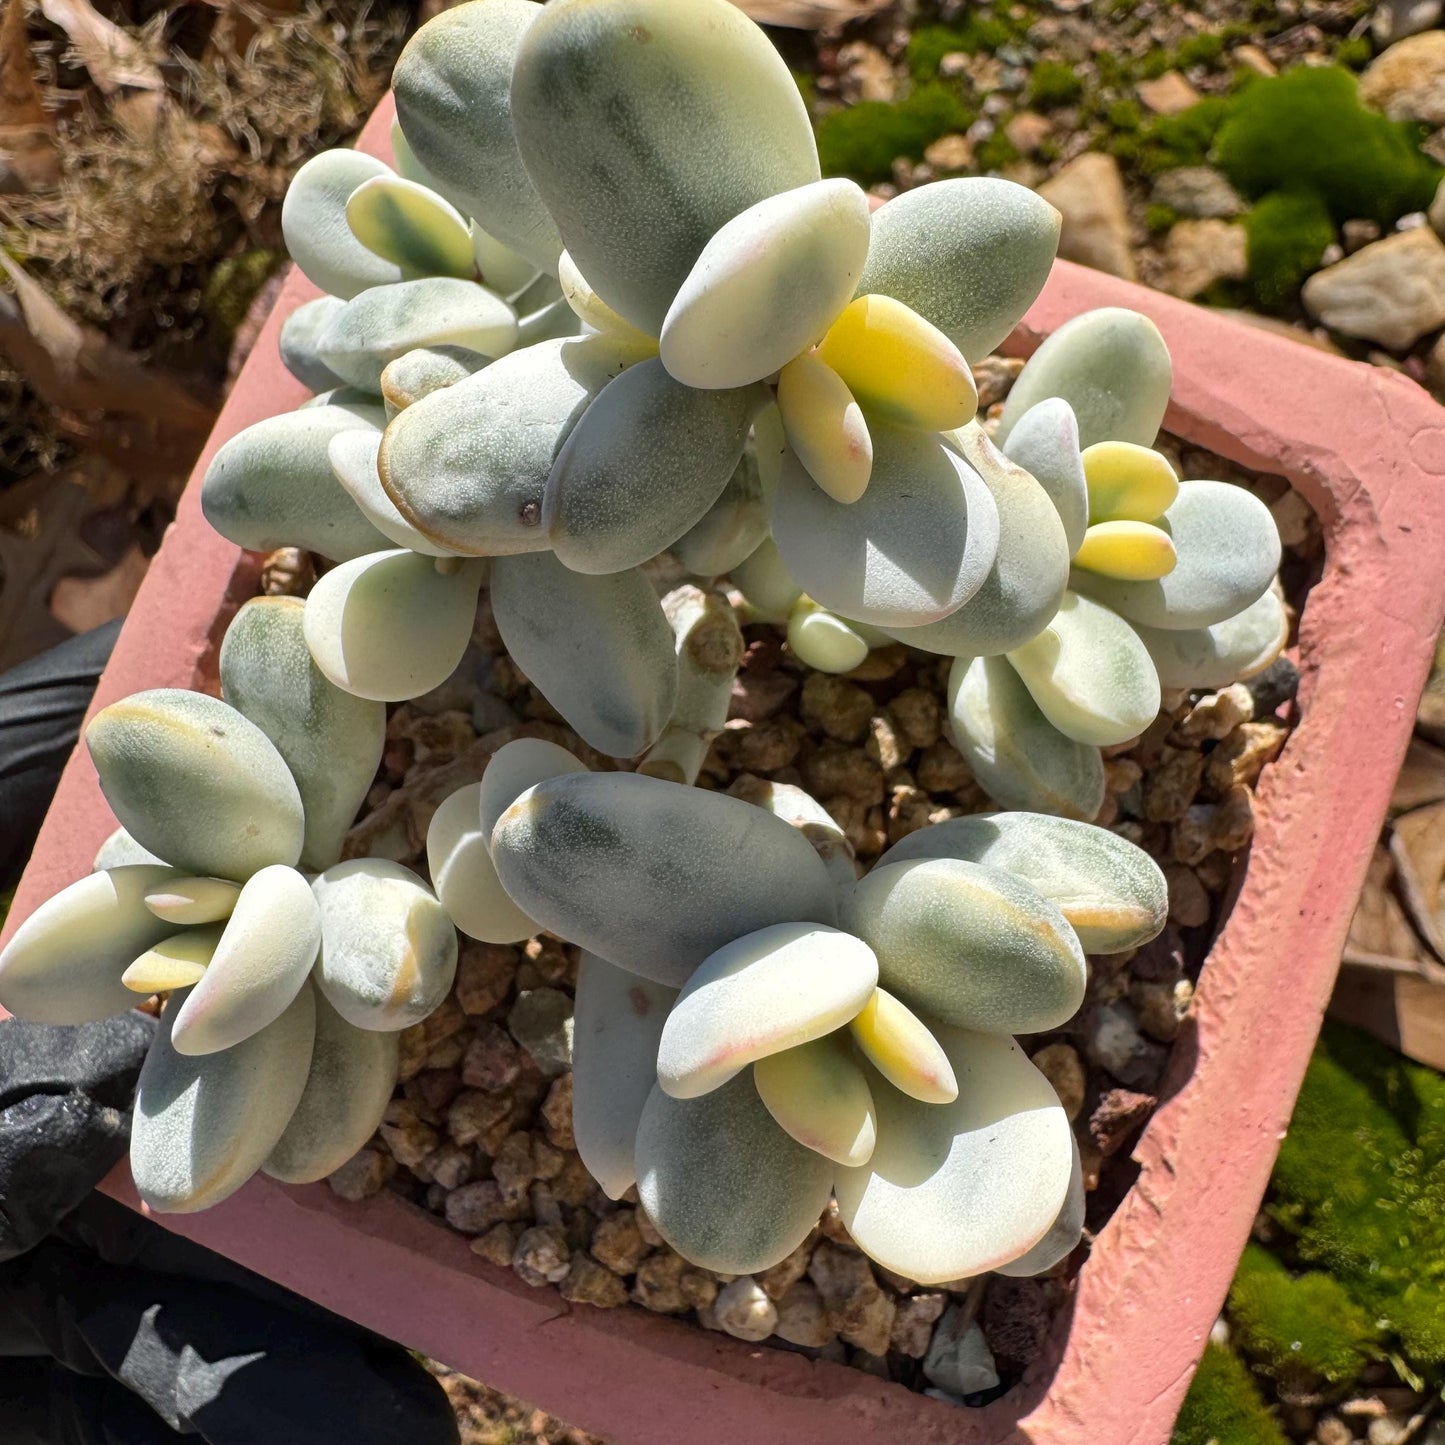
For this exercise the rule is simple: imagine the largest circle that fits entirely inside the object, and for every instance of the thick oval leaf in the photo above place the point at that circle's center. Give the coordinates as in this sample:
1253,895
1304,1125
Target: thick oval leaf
1089,674
452,87
969,255
1020,759
1030,571
121,849
824,640
766,991
599,649
203,1124
260,964
63,965
313,224
767,285
379,325
821,1098
1112,368
913,548
300,333
1128,482
1228,548
1063,1235
418,373
899,365
197,783
499,268
459,861
1127,551
826,427
969,945
468,465
1229,651
175,962
643,464
768,588
811,819
898,1044
388,949
646,126
411,226
616,1026
1112,892
403,158
653,876
352,1075
515,767
731,529
590,308
1045,443
272,485
392,625
725,1186
186,901
330,740
955,1189
353,455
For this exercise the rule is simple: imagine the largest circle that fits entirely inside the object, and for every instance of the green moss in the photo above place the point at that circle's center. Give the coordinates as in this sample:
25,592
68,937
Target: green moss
1224,1407
1360,1183
1159,218
807,87
1054,84
996,152
232,286
977,32
1179,140
1300,1330
1286,236
1199,50
863,141
1306,129
1125,115
1354,51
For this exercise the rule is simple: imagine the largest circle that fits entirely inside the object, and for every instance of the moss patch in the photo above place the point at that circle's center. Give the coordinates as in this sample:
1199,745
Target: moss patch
1306,130
1224,1407
1287,234
863,141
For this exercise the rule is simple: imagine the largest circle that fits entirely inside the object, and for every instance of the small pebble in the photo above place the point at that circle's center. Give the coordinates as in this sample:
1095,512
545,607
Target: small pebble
743,1310
362,1176
778,1280
959,1359
913,1323
1274,687
1061,1065
476,1207
617,1242
1115,1117
658,1284
941,768
557,1114
1170,788
1162,1007
497,1244
802,1320
492,1060
588,1283
541,1256
835,707
1115,1044
1188,898
858,1309
541,1021
1241,756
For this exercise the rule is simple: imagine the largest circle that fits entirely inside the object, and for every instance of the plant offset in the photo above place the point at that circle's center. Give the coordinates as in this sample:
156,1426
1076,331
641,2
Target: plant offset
605,310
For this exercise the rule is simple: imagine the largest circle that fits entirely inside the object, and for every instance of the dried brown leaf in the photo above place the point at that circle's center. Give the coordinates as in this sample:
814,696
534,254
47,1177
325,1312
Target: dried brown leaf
28,160
113,57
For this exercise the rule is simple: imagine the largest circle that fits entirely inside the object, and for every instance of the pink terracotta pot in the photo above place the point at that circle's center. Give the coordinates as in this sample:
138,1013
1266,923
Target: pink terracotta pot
1366,448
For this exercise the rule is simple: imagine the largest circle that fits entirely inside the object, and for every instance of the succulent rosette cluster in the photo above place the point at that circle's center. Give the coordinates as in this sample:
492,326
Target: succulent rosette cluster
1113,580
753,354
288,974
757,1030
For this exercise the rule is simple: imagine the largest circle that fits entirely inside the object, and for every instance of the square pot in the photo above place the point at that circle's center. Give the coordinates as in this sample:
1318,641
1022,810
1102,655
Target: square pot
1366,449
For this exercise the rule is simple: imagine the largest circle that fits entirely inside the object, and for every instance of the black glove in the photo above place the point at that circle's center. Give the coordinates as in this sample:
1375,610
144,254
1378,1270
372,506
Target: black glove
114,1331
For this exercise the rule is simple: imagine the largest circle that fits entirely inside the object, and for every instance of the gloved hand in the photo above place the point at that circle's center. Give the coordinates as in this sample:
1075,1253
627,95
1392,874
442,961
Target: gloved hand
113,1331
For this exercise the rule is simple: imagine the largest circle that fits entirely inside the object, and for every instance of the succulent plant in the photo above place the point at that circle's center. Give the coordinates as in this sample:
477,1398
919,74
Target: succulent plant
1112,579
757,1029
288,973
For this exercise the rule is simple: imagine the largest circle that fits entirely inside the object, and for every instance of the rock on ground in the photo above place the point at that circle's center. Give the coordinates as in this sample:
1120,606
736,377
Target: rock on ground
1198,192
1199,253
1407,81
1392,292
1089,194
